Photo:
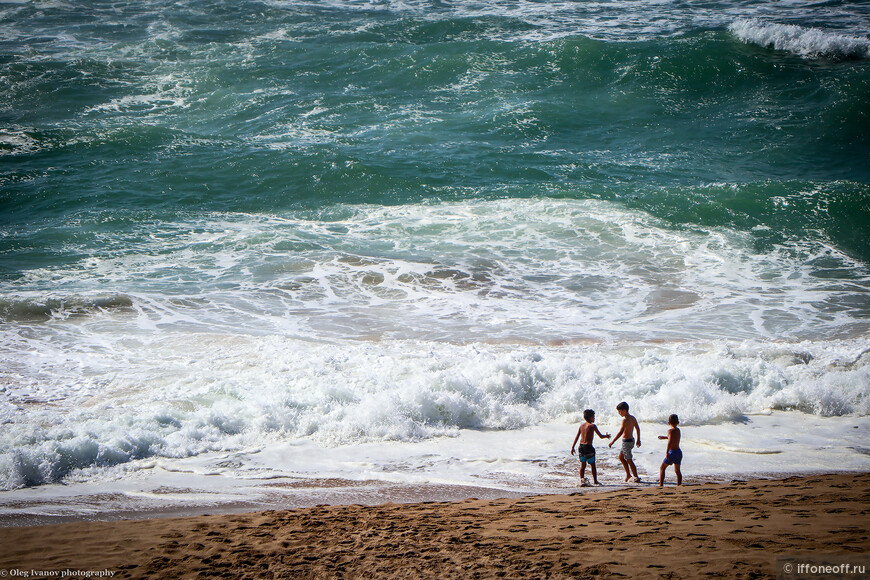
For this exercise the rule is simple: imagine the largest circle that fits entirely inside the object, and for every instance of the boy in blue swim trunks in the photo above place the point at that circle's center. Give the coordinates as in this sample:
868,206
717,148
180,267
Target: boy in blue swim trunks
586,452
673,454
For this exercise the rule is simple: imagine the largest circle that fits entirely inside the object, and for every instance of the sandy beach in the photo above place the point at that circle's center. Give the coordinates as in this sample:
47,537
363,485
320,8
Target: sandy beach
741,529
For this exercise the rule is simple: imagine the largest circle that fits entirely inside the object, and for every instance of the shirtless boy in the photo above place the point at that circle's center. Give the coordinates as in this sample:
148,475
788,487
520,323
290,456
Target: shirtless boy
629,425
586,452
673,454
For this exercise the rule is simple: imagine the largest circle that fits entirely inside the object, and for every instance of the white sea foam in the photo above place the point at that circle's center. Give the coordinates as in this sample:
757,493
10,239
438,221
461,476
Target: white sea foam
178,396
370,323
803,41
528,270
475,463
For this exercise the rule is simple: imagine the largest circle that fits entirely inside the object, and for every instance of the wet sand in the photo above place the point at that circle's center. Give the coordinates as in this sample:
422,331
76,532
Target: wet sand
742,529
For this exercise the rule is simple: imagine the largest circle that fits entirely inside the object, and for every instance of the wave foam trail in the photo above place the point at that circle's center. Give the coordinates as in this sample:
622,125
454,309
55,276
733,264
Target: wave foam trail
803,41
528,271
166,399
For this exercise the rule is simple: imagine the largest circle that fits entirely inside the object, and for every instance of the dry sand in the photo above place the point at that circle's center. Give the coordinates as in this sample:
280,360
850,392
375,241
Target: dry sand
736,530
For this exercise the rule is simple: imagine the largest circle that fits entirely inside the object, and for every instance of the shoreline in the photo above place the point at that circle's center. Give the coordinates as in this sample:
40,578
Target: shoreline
481,464
744,528
292,494
305,495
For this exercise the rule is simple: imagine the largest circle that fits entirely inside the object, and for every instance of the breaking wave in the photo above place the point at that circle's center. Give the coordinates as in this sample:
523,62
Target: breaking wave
171,401
803,41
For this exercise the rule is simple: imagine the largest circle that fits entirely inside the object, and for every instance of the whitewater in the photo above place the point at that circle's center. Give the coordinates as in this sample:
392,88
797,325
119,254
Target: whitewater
467,330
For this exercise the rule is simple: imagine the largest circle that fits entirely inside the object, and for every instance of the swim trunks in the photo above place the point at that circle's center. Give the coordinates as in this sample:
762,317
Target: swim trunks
674,456
627,446
586,453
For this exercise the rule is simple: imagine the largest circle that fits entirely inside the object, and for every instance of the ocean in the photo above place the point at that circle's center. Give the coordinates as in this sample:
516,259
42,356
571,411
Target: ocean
270,244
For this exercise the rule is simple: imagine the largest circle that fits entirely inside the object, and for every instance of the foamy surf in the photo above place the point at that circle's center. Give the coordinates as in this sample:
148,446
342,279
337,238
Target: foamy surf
406,323
474,463
168,399
536,270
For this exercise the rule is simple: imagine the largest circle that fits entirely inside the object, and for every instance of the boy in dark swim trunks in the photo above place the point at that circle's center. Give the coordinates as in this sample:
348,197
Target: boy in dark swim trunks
586,452
673,454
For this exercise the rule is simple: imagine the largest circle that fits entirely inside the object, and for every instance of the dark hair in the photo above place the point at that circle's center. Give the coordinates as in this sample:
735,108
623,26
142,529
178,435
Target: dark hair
674,420
588,414
623,406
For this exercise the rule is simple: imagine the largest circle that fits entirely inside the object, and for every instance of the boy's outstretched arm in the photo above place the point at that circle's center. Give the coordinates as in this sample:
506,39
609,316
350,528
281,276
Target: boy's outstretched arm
600,435
637,426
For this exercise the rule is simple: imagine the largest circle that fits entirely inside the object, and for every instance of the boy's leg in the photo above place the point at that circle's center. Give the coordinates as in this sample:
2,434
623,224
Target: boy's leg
633,468
624,466
582,469
679,474
662,474
594,474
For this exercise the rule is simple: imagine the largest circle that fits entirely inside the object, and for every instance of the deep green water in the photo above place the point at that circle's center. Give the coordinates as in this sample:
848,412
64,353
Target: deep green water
167,107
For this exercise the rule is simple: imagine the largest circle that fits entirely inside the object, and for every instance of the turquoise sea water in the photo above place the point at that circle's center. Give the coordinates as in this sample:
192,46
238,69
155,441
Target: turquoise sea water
166,107
229,222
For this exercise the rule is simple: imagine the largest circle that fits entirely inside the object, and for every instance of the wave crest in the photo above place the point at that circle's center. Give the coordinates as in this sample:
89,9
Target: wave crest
805,42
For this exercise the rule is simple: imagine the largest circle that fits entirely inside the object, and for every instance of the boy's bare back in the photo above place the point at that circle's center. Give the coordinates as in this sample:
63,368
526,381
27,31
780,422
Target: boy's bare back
587,433
673,438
